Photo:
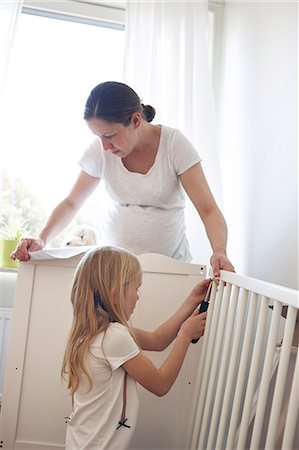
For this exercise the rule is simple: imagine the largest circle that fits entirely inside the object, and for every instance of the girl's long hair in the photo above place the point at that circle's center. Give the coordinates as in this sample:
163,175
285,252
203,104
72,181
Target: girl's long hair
101,274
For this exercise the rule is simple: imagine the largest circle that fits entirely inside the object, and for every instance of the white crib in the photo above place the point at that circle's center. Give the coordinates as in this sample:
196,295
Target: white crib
248,379
230,393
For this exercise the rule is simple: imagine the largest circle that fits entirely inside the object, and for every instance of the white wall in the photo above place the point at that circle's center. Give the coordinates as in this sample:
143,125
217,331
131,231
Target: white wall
259,141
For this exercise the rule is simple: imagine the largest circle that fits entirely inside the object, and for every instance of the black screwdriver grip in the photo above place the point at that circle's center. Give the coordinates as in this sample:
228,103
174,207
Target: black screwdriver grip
203,308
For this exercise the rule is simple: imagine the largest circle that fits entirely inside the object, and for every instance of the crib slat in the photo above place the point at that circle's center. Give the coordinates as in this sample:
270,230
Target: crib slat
253,373
266,377
202,374
242,371
222,305
204,366
293,411
206,396
281,377
223,365
230,383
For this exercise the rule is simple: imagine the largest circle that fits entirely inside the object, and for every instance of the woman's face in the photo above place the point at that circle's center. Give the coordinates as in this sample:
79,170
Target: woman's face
132,295
116,138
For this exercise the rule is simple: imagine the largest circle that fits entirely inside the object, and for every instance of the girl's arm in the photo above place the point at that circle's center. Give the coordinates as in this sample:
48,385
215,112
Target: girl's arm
197,188
61,216
159,381
159,339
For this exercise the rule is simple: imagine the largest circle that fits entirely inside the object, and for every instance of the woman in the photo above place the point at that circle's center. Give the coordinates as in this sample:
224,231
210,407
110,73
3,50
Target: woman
146,169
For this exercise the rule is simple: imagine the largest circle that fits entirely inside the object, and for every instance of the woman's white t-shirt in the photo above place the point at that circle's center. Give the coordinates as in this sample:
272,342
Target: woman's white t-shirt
96,414
147,210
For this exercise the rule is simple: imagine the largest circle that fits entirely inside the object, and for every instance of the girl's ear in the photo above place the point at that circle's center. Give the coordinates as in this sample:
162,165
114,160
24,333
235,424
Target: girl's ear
136,119
114,296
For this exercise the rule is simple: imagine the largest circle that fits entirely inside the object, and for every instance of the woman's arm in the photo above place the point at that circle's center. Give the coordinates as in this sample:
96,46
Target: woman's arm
159,339
61,216
66,210
197,188
159,381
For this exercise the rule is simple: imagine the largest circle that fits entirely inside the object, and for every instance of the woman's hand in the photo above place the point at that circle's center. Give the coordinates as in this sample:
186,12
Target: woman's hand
194,326
25,246
219,261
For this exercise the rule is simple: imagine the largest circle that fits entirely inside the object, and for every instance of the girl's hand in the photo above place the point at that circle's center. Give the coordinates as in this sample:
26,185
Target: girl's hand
194,326
198,293
25,246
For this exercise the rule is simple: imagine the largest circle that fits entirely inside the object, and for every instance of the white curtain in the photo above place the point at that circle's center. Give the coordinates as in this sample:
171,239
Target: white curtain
167,63
10,11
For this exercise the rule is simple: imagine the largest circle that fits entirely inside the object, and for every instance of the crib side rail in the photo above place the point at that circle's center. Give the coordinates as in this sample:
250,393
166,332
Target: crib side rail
276,292
248,381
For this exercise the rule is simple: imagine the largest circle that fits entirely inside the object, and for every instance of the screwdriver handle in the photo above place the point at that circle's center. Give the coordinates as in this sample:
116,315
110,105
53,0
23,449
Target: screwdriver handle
203,308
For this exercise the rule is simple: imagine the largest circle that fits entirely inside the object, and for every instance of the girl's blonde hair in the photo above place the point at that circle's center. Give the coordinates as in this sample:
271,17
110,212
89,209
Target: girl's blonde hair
101,276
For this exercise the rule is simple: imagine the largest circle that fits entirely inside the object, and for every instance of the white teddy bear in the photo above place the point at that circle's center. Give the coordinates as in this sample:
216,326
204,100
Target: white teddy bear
81,235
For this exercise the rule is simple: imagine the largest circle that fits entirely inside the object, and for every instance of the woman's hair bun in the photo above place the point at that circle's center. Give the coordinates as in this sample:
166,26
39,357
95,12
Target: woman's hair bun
148,112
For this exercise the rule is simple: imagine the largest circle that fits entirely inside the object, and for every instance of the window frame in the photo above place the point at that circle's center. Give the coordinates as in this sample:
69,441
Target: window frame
112,15
92,13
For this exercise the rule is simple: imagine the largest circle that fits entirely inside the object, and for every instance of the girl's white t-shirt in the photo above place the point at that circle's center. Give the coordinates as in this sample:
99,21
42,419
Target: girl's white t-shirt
96,414
147,210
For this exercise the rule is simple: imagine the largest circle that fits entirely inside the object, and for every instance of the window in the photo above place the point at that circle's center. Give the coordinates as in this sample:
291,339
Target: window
56,60
54,65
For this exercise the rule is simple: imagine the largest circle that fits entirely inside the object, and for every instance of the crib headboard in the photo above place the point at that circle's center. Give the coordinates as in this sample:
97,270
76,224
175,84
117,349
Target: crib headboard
34,400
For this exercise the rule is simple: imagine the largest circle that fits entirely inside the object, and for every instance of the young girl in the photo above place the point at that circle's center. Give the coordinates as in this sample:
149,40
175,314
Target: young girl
104,359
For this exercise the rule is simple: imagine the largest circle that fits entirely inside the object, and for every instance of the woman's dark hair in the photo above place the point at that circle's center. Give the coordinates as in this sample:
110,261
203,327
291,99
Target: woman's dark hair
116,102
